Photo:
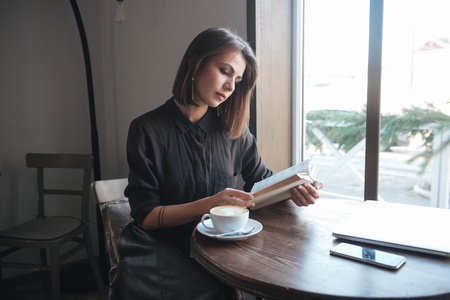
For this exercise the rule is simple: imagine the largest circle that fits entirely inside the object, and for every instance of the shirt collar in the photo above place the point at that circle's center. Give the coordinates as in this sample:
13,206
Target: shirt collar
184,124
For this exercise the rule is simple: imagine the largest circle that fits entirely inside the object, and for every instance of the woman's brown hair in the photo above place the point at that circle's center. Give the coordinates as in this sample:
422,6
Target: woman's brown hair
235,111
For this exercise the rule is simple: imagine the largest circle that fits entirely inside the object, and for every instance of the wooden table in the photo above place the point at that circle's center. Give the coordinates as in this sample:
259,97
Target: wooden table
289,259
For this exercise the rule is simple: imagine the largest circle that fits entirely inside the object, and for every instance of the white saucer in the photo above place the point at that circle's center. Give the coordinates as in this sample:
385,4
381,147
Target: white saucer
212,232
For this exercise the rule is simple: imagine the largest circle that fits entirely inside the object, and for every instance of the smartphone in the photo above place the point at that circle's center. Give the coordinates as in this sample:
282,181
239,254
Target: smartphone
370,256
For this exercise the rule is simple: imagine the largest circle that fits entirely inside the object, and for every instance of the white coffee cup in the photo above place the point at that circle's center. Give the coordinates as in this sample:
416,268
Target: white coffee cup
226,218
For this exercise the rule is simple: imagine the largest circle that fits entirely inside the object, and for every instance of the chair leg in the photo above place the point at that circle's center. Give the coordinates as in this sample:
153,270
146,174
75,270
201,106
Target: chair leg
43,253
93,261
46,283
55,273
2,287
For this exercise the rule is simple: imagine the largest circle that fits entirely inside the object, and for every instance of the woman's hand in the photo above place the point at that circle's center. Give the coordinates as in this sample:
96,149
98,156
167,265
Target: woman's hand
306,194
231,196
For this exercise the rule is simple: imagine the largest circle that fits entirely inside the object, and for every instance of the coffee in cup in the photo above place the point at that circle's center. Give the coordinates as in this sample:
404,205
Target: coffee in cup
226,218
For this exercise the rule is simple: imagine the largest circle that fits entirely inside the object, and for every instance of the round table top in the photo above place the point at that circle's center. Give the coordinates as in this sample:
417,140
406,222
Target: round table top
290,258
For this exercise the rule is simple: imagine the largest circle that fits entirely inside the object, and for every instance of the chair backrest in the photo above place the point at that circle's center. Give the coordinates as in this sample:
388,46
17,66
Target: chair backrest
42,161
115,211
109,190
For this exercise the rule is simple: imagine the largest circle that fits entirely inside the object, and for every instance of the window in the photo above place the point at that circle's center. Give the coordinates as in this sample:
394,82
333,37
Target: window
413,94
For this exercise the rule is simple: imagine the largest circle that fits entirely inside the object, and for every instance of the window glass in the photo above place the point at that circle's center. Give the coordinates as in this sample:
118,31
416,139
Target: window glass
415,98
336,37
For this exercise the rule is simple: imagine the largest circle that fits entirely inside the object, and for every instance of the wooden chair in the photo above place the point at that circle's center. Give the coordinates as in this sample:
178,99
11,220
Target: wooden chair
52,232
115,211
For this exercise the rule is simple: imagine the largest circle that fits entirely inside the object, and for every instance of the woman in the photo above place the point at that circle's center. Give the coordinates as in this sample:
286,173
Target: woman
184,158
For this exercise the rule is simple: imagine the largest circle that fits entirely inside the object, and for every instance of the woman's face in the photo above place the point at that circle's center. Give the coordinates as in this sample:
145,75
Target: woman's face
217,78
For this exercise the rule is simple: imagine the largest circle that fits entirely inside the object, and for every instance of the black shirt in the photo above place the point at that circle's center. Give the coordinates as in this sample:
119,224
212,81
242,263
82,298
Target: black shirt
172,161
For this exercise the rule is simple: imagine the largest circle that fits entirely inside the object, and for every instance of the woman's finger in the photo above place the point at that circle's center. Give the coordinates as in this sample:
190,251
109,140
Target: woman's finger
298,197
235,197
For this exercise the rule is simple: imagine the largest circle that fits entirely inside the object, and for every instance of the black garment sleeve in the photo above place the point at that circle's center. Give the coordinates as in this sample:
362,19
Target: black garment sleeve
143,188
253,167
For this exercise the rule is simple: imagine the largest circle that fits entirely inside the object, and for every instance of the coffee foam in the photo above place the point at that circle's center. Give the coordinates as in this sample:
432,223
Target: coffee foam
229,210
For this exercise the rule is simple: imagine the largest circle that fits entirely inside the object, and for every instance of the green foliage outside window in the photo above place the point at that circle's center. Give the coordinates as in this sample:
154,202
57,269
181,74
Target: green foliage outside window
347,128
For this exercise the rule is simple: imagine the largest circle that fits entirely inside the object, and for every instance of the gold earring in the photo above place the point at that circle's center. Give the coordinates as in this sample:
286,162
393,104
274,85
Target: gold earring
192,88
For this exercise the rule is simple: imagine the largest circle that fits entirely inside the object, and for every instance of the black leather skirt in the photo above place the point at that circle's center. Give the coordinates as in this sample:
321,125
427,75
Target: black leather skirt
151,269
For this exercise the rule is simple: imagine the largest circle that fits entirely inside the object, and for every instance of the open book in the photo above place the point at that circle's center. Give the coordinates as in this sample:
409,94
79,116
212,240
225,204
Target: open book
276,187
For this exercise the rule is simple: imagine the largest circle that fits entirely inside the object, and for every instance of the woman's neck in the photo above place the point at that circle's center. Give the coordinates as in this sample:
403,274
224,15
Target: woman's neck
192,112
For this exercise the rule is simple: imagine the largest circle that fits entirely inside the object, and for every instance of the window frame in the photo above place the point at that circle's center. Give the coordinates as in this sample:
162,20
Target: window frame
257,12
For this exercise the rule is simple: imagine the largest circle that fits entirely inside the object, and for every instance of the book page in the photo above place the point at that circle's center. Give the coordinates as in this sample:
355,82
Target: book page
303,168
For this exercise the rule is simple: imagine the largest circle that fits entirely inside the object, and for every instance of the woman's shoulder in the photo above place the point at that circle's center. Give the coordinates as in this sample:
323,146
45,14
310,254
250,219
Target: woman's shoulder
158,111
156,116
247,137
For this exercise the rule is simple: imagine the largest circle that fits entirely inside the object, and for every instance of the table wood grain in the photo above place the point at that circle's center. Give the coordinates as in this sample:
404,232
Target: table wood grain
289,259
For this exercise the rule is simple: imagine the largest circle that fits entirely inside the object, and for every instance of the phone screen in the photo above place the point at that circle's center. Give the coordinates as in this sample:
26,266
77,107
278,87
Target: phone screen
367,255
